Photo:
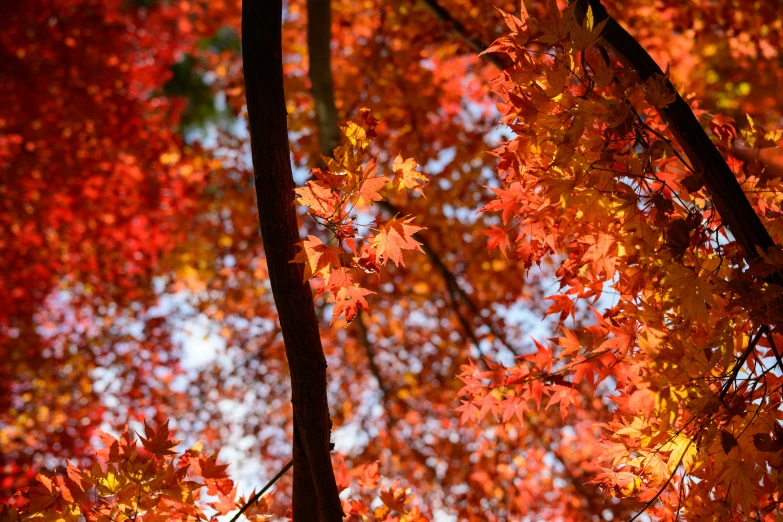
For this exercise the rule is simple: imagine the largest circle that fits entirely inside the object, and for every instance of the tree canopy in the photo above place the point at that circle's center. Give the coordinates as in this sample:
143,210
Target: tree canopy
515,261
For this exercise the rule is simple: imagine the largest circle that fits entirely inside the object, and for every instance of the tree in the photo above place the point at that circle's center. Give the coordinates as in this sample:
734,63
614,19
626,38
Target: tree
663,346
98,189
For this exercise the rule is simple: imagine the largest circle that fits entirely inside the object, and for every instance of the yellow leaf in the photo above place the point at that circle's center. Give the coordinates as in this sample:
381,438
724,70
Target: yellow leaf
683,451
110,482
737,477
692,292
405,175
585,36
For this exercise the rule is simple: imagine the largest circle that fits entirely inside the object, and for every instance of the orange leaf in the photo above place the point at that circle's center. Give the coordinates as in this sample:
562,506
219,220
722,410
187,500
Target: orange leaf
405,175
318,258
394,237
347,296
395,498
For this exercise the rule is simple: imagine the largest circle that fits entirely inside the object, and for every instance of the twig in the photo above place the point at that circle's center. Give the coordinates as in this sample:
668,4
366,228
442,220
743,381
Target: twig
665,484
774,349
257,496
742,360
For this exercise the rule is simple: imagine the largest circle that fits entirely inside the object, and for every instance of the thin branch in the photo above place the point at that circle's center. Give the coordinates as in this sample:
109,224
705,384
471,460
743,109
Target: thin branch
723,187
774,349
741,361
463,34
257,496
451,281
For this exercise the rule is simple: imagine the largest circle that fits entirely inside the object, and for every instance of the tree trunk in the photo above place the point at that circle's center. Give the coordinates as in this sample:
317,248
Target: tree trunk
319,39
315,496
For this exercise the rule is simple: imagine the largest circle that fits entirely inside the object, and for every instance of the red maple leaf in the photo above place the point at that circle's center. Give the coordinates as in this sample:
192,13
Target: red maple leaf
497,238
157,441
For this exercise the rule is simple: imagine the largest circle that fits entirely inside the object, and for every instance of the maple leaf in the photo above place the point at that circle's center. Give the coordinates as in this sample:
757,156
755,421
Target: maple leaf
395,498
394,237
624,338
370,185
77,477
737,477
728,441
759,138
405,175
157,441
361,130
498,238
210,469
470,412
318,258
368,259
543,358
570,342
507,201
683,450
564,397
349,300
347,296
659,91
563,304
557,78
322,199
556,27
225,503
503,44
767,443
692,291
341,476
516,24
369,476
586,35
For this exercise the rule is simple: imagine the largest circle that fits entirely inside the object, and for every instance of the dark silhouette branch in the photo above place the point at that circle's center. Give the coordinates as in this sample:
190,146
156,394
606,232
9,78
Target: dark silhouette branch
315,495
741,362
724,189
255,498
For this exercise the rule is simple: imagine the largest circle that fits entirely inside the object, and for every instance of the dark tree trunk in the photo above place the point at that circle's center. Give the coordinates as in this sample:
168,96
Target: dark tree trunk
315,496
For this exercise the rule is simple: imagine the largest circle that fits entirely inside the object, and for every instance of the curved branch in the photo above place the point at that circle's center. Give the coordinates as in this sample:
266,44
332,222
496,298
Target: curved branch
315,495
452,284
463,34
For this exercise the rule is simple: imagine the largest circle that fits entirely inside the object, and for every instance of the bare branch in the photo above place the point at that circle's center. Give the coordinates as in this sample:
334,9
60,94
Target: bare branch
255,498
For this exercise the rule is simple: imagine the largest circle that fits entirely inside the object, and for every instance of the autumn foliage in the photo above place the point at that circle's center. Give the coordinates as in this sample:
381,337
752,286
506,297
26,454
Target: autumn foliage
543,242
342,189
